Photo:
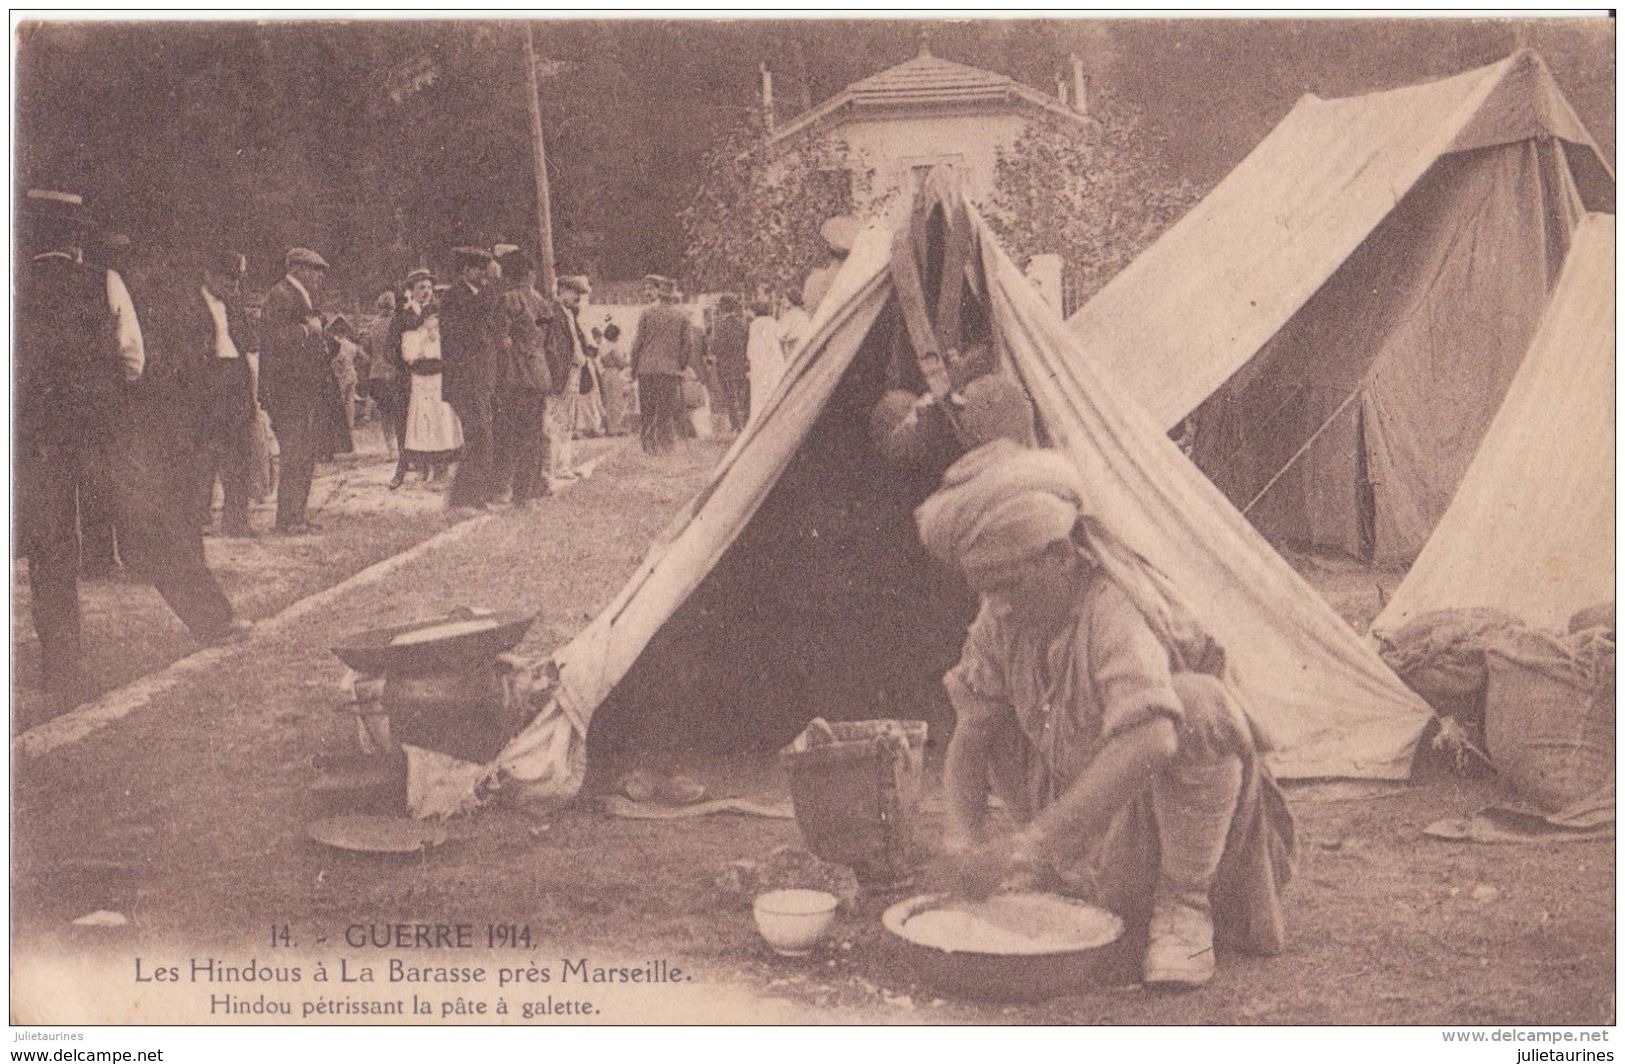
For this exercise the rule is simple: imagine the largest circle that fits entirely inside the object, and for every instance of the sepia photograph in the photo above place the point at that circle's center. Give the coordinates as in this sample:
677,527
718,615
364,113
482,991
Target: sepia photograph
658,518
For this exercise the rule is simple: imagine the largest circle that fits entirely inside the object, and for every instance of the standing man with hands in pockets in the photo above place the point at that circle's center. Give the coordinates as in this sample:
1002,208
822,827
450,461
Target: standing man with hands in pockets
294,378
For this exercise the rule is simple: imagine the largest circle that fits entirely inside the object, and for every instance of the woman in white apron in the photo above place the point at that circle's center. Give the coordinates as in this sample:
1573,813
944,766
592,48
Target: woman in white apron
433,433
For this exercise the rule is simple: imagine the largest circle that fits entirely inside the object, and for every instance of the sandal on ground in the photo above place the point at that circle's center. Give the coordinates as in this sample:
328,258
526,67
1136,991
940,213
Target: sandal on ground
646,785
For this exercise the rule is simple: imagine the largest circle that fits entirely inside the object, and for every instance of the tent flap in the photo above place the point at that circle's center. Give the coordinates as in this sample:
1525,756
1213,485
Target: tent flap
1332,707
1380,389
1531,528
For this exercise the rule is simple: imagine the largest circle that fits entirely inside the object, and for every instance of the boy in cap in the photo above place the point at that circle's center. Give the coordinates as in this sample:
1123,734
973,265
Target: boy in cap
385,385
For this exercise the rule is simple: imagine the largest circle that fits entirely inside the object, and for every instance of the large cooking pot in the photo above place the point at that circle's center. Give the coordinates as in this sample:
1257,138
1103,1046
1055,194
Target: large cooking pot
463,639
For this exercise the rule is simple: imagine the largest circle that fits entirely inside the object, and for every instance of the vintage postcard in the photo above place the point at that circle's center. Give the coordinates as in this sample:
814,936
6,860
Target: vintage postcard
814,521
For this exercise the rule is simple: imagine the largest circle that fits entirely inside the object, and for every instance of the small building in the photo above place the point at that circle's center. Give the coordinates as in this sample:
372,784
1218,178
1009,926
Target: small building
923,113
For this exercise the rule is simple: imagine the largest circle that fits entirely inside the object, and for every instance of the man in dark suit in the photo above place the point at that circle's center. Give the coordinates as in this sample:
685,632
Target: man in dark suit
566,348
527,381
730,336
79,352
662,351
295,382
472,325
211,338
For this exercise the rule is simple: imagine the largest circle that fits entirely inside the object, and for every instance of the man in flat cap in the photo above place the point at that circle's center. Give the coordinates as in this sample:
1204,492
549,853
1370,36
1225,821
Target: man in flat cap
472,324
79,351
212,340
295,383
523,392
567,347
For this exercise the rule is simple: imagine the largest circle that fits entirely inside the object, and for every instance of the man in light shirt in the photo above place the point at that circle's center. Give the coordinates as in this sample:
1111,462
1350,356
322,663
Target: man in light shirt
220,388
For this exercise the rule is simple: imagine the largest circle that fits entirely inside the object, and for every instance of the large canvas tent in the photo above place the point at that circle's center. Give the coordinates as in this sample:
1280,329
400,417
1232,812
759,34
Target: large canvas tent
736,613
1344,312
1531,530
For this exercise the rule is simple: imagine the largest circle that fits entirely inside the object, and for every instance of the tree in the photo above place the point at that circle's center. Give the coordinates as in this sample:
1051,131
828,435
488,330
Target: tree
1094,195
755,220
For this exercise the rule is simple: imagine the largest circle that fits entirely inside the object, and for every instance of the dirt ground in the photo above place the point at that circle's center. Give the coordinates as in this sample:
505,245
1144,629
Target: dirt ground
187,818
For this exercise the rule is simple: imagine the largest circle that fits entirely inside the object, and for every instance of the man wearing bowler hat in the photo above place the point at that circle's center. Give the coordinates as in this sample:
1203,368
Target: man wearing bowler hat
472,324
295,381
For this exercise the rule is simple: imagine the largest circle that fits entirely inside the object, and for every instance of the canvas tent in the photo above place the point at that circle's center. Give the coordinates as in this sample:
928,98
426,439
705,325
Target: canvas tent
716,595
1531,530
1344,312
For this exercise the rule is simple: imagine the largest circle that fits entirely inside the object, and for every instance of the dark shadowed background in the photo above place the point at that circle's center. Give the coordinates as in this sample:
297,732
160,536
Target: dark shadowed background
383,144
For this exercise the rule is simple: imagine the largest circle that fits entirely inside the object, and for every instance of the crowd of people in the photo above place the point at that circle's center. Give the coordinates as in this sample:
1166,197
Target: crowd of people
129,422
555,379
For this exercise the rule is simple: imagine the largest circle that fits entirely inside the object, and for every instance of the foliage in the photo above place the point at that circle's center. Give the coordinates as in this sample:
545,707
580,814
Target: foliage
263,134
755,220
1096,196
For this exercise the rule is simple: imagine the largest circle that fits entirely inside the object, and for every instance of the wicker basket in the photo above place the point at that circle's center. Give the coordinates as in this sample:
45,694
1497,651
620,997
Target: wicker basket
855,787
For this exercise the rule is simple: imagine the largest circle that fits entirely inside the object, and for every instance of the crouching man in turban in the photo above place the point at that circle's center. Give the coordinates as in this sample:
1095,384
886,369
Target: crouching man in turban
1092,703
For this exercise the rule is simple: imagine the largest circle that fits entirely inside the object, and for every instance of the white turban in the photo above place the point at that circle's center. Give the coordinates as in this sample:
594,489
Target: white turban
1000,507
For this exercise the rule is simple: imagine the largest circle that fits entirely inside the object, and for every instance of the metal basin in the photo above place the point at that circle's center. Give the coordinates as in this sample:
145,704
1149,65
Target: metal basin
1030,975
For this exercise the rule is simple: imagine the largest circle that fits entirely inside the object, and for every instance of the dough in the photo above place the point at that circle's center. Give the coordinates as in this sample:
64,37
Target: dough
1012,924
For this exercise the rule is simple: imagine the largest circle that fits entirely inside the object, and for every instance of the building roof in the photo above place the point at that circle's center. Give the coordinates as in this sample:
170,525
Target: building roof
924,83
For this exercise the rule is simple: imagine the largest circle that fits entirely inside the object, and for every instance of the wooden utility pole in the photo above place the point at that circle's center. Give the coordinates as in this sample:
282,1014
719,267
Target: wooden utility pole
544,208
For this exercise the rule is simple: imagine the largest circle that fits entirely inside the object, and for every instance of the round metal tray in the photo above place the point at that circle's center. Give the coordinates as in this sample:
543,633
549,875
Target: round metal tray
383,835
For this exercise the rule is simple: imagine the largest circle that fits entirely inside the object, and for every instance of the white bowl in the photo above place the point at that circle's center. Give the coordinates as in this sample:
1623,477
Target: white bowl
792,921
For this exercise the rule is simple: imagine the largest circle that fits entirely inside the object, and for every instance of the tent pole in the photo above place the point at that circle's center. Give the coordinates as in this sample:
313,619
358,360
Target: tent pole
1310,442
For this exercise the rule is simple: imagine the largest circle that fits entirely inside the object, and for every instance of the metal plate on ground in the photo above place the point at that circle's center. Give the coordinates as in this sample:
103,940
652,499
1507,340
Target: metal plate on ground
376,834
